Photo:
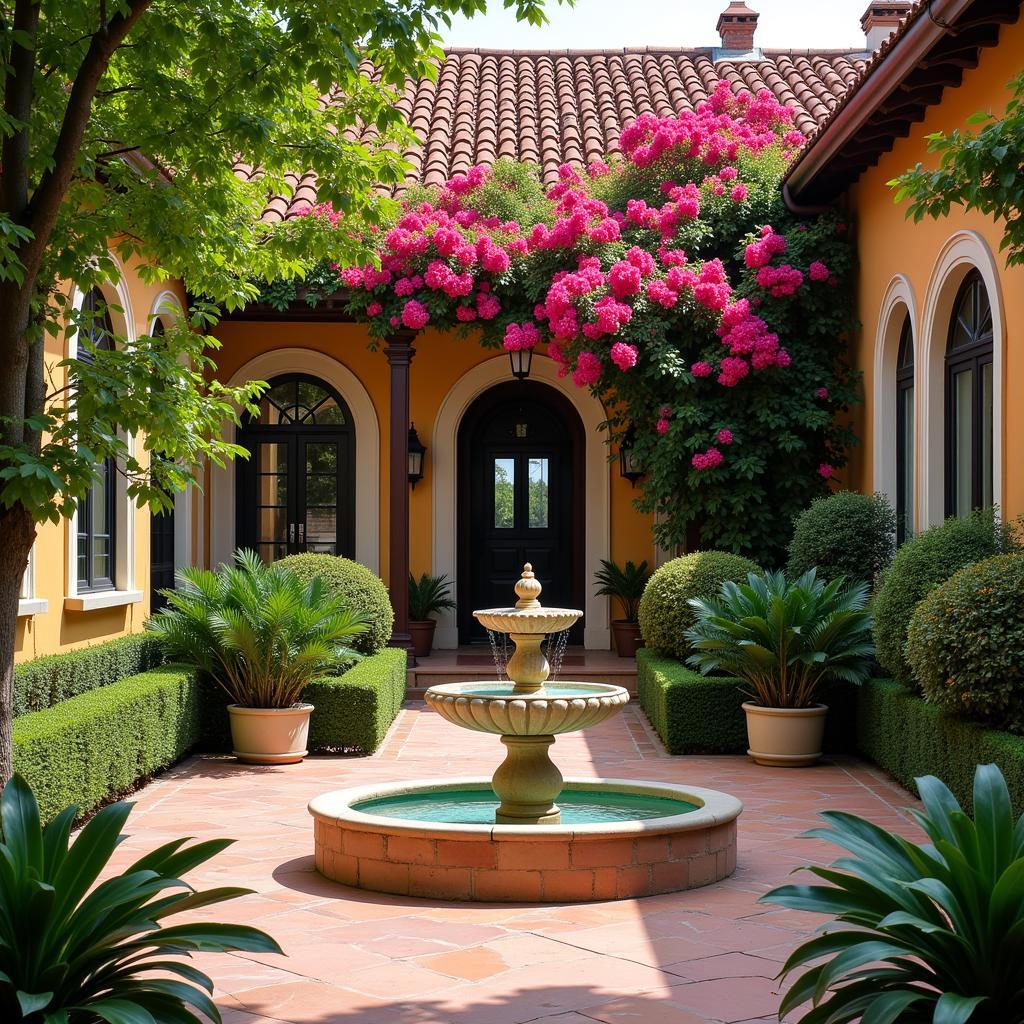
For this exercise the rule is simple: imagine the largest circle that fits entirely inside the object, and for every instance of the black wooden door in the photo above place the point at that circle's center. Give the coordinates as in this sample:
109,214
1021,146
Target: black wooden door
293,493
520,466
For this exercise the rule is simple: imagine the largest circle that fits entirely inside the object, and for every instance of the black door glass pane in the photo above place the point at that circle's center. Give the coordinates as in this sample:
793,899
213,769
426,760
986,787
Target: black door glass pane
538,494
504,494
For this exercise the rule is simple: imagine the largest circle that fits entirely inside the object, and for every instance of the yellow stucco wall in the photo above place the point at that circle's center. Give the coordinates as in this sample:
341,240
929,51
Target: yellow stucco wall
59,628
889,245
440,361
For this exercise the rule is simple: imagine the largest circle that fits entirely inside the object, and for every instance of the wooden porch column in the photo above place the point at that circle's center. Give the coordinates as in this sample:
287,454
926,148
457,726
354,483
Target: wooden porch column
399,350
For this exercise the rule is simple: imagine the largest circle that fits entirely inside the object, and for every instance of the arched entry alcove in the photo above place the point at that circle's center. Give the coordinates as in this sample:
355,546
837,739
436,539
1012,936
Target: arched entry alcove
521,498
296,492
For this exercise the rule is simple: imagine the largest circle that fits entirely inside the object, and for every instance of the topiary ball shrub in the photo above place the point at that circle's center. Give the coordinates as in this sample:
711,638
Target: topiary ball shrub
845,534
363,590
965,645
928,559
665,612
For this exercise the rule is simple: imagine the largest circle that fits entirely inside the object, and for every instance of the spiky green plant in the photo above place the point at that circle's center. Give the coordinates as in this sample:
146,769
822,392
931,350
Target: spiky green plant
625,583
784,638
259,631
932,934
427,595
76,952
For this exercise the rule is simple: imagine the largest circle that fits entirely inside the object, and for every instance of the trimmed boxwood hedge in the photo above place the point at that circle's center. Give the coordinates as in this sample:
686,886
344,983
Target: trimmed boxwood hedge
44,682
101,744
698,714
909,737
353,712
693,714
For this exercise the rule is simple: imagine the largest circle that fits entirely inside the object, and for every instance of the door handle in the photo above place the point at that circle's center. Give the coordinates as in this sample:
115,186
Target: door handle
302,533
291,533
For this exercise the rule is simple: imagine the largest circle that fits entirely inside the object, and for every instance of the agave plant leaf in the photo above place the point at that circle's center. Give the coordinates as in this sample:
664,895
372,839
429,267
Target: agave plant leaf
77,950
784,638
933,933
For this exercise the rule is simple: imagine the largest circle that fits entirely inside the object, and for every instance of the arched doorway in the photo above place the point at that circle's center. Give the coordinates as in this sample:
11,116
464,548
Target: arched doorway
296,491
521,492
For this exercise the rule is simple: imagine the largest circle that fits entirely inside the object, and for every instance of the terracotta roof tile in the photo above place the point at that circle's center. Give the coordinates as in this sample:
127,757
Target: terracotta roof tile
569,106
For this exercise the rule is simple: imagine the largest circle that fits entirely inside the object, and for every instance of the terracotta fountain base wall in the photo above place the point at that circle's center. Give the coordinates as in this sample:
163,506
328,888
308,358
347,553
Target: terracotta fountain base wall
511,864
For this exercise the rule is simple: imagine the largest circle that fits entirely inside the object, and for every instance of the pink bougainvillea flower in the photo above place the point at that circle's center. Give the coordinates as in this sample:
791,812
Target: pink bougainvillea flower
724,436
374,309
707,460
817,271
662,426
826,470
415,315
822,393
588,370
624,356
701,369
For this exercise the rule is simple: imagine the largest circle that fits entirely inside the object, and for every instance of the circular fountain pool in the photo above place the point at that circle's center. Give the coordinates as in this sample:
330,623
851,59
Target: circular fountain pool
437,838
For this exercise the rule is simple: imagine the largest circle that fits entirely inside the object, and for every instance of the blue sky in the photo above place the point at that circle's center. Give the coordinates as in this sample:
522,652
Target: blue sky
684,23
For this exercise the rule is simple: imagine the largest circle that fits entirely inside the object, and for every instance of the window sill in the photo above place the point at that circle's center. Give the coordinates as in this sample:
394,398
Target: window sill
32,606
102,599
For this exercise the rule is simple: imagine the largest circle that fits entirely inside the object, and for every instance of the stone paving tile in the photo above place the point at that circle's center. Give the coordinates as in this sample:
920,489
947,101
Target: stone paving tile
708,956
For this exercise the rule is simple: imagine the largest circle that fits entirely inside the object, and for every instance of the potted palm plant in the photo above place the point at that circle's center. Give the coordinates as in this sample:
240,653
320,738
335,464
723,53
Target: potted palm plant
427,595
784,639
626,585
262,635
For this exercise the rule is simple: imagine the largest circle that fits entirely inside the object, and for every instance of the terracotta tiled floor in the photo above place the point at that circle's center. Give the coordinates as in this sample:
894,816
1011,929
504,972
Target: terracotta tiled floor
359,958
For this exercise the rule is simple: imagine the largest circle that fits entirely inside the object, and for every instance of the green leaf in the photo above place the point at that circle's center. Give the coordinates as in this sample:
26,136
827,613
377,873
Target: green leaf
956,1009
118,1011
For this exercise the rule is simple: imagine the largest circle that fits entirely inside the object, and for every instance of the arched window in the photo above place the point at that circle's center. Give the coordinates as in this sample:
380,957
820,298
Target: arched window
905,434
297,490
969,400
97,513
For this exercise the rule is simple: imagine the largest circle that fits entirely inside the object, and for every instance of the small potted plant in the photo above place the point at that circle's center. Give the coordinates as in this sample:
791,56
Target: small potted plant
784,639
262,635
626,585
427,595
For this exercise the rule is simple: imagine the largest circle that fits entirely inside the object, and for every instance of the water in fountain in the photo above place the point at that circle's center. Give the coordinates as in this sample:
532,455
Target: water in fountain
499,651
554,651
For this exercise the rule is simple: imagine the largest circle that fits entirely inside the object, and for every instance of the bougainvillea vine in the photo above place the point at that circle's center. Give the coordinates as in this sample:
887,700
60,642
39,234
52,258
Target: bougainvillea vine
673,283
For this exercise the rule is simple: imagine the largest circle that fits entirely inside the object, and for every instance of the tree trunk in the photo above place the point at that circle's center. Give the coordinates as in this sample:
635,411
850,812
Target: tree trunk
17,534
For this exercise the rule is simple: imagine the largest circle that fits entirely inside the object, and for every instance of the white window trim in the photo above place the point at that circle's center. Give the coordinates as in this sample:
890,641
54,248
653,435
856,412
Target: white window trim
28,603
124,592
899,302
963,252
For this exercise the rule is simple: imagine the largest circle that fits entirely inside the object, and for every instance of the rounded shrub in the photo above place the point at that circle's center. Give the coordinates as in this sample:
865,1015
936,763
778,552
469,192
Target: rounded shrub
923,562
360,588
844,534
665,612
965,645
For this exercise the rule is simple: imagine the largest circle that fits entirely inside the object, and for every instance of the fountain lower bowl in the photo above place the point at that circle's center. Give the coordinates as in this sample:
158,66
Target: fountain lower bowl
365,837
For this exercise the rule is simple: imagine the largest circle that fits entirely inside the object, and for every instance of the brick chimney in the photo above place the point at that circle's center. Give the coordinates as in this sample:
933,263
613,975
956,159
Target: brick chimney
881,20
736,25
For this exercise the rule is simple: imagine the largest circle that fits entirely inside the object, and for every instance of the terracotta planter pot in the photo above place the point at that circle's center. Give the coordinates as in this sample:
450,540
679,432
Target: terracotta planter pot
270,735
422,633
627,637
785,737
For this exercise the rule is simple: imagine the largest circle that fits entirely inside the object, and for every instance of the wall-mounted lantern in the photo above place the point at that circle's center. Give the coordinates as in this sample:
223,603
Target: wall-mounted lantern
521,360
417,449
629,468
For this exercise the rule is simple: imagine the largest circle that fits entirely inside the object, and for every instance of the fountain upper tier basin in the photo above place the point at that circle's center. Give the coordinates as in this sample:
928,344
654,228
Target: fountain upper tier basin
551,710
537,620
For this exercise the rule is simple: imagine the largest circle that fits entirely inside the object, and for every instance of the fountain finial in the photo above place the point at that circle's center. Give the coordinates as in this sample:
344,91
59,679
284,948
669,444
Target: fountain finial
528,589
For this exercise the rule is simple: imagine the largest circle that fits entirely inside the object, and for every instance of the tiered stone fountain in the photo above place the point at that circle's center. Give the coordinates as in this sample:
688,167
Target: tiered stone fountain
545,838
